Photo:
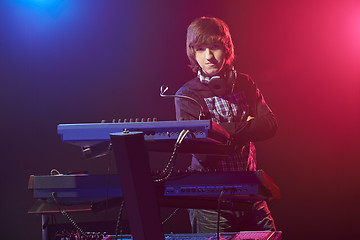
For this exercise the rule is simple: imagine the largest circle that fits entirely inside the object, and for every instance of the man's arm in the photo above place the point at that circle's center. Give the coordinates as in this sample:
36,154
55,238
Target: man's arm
260,125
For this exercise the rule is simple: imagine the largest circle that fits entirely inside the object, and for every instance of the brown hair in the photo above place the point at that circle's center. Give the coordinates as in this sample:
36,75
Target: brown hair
208,31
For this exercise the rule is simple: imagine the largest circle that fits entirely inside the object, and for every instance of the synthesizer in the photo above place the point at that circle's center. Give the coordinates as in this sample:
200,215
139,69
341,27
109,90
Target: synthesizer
84,188
85,134
243,235
241,185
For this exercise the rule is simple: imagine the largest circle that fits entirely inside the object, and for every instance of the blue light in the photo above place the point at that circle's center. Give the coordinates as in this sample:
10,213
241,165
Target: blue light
41,4
51,8
42,1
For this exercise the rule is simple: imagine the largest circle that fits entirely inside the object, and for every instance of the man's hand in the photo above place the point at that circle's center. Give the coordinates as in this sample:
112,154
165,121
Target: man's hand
249,118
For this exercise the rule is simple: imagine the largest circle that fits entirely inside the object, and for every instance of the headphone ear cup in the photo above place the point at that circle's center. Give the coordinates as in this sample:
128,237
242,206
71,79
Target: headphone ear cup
220,86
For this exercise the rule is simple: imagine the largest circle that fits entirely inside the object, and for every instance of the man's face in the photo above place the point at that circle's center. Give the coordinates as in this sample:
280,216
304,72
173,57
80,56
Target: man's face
211,59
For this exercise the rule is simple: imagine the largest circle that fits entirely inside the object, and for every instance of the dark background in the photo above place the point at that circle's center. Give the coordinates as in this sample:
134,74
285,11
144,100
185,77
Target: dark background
65,61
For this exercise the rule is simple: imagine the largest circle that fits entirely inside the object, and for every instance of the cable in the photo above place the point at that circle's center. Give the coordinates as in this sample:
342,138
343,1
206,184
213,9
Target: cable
64,213
219,213
55,172
170,216
229,189
164,88
108,170
166,172
118,221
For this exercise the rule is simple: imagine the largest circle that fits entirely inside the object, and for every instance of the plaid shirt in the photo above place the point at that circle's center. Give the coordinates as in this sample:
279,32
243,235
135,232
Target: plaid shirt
226,109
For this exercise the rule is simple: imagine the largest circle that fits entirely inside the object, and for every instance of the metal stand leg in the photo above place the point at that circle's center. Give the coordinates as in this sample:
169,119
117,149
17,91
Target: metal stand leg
44,226
132,162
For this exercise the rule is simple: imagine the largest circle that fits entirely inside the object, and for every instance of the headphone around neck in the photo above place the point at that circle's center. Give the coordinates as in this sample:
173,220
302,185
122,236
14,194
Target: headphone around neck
222,85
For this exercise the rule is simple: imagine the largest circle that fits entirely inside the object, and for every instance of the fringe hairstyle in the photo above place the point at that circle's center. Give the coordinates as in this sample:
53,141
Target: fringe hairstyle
208,31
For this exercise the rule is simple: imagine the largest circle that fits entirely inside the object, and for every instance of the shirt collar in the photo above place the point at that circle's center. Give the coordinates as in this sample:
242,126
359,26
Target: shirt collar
204,79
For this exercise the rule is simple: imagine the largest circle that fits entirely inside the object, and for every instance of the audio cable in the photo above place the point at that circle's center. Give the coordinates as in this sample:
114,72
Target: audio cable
166,172
65,214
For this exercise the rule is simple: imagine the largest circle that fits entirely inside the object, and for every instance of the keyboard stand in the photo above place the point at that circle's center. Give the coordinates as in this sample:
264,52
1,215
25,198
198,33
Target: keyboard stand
132,162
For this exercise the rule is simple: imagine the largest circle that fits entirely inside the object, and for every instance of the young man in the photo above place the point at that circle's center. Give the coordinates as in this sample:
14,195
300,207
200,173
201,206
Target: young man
233,101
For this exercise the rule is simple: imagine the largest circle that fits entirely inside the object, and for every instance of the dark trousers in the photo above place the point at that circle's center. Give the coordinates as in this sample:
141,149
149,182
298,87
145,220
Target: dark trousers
256,219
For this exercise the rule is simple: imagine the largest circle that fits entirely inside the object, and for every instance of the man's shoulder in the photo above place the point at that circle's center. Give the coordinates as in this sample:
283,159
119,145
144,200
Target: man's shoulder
193,84
243,78
244,82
